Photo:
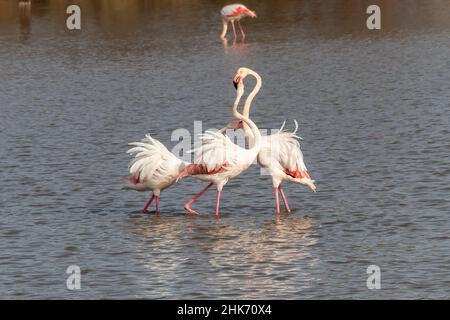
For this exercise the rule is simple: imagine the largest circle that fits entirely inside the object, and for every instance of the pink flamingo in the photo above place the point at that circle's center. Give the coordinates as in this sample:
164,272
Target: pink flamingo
219,159
232,13
280,153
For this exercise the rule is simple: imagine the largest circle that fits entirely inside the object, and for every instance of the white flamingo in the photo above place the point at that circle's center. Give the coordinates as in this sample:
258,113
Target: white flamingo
154,168
219,159
280,153
232,13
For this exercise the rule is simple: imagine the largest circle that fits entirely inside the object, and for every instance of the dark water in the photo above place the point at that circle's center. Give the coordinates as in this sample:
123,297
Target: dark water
373,108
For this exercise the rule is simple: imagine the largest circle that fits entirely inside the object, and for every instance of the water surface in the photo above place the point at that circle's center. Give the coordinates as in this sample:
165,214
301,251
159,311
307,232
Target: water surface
373,111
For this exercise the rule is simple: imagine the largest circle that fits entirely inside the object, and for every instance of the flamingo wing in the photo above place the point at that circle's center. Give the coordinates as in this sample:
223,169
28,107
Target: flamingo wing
290,155
151,160
217,152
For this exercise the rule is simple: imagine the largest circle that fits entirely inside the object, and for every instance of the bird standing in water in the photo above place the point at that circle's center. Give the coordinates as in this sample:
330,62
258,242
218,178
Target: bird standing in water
280,153
219,159
232,13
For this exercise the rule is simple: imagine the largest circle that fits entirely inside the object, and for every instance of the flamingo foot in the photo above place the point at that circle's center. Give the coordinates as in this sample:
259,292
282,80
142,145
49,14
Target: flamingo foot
190,212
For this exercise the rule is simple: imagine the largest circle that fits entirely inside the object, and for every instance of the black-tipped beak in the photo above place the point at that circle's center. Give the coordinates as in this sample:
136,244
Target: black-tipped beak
236,80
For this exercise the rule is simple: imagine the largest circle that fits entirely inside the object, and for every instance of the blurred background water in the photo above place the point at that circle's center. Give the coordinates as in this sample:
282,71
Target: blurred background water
373,111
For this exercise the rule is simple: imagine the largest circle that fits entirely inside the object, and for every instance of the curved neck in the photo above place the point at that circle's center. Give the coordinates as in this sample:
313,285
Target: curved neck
235,105
254,129
247,106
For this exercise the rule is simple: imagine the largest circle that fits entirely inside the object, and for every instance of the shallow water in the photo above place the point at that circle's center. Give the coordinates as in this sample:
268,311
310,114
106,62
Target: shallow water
373,112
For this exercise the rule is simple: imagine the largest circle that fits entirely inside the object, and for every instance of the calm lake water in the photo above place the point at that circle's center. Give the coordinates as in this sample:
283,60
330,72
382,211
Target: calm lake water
373,108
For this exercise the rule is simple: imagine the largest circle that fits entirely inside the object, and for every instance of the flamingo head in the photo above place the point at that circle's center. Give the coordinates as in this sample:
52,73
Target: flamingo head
306,182
238,84
235,124
239,76
251,14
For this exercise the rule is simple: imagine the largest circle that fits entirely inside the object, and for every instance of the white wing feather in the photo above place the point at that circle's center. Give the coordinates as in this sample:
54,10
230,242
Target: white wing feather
216,150
151,159
290,155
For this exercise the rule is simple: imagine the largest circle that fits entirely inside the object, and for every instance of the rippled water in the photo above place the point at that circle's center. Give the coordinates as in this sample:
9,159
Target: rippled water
373,111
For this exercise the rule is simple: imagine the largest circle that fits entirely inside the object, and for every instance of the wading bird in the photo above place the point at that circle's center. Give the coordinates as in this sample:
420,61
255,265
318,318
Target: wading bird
218,159
154,168
232,13
280,153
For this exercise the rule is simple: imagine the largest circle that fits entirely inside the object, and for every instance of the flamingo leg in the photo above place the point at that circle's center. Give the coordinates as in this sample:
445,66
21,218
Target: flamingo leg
157,204
286,205
218,203
148,203
234,29
187,205
242,30
277,200
224,28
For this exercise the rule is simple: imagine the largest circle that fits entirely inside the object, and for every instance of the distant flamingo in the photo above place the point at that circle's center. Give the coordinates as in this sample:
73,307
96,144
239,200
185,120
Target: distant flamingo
232,13
219,159
280,153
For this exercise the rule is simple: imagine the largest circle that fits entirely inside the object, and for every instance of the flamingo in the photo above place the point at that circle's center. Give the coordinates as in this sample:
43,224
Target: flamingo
280,153
219,159
232,13
154,168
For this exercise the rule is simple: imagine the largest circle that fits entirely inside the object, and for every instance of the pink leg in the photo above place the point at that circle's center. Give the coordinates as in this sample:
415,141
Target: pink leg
148,203
224,28
234,29
277,200
157,204
286,205
242,30
187,205
217,203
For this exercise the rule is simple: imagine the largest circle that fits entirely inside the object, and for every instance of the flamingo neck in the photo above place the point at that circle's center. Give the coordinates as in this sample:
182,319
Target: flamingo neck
248,102
254,129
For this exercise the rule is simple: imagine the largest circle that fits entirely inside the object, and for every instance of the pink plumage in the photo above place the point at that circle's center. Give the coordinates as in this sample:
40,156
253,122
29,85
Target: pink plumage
232,13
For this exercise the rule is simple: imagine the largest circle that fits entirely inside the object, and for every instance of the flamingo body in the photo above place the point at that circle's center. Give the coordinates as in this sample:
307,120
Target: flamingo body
154,168
235,12
282,157
232,13
218,159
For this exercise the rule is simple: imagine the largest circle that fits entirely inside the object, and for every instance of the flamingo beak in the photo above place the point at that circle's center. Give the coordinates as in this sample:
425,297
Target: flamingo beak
236,81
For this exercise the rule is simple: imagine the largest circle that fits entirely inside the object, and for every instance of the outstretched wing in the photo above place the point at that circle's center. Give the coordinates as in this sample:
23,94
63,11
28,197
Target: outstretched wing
216,152
150,157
